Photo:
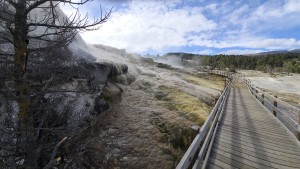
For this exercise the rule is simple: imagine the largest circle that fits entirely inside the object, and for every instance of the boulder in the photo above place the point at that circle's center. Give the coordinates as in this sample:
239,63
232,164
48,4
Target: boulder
130,78
124,68
112,92
115,70
124,79
100,105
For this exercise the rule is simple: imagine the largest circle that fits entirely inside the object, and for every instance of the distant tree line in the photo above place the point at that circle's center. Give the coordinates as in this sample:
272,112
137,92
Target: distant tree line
280,62
284,62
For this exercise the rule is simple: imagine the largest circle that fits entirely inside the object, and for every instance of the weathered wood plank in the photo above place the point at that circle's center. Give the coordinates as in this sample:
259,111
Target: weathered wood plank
262,146
219,163
235,161
242,120
258,132
260,154
270,139
260,127
261,131
213,166
259,141
265,160
241,159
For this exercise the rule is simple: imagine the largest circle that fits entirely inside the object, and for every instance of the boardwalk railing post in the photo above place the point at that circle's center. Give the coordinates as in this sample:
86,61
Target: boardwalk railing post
275,105
256,93
263,97
298,131
195,131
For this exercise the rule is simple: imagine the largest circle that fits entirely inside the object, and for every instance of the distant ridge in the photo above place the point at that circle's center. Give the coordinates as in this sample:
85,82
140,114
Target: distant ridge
295,51
276,52
176,54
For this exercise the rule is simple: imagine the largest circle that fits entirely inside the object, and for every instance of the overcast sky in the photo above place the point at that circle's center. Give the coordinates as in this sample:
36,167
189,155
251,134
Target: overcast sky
196,26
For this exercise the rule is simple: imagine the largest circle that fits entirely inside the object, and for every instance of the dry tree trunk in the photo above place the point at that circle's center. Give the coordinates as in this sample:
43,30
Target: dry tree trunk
25,117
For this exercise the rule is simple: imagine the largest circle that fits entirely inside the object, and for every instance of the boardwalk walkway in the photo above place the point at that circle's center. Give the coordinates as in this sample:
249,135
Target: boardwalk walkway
250,137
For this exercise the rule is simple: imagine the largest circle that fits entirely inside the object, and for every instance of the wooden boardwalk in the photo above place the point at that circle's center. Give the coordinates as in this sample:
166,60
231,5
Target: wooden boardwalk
250,137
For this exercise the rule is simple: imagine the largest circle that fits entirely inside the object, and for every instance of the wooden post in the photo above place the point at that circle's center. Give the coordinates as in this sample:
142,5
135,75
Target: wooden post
298,132
263,97
195,131
256,93
298,125
275,105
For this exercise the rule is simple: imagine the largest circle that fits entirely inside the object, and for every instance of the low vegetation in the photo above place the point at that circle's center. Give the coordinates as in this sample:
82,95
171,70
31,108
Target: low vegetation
205,80
291,98
177,136
188,106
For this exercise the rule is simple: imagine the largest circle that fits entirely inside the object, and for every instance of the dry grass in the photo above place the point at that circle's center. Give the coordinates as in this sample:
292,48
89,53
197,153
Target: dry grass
187,105
286,97
178,136
209,81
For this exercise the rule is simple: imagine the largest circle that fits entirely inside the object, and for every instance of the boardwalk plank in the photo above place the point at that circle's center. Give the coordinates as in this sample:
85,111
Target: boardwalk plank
237,161
260,149
229,161
221,164
261,154
265,160
262,146
261,127
213,166
260,138
256,133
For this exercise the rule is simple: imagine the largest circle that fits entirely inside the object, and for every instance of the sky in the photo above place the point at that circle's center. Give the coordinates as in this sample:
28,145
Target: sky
195,26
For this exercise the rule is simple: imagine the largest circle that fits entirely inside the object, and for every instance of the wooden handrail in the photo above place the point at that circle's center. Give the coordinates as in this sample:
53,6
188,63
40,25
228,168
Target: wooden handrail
276,110
206,133
288,106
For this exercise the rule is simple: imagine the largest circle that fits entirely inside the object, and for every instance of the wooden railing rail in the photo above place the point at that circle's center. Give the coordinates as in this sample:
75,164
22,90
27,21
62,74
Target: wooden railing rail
202,143
293,109
272,102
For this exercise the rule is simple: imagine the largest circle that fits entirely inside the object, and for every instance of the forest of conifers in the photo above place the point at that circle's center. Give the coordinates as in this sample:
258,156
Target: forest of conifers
281,62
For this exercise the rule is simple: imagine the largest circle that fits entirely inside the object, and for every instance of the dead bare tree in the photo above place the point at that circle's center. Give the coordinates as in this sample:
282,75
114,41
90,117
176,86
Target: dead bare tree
19,22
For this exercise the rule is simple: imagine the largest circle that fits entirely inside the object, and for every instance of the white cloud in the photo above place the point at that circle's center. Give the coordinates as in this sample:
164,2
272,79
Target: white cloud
240,52
273,15
253,42
205,52
151,26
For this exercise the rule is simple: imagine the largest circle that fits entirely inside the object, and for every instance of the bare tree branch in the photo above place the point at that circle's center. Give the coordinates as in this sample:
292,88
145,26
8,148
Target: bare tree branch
40,2
54,152
11,2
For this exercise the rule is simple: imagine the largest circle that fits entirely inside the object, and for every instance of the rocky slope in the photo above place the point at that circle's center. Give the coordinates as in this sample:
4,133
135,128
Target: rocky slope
149,125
